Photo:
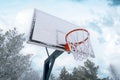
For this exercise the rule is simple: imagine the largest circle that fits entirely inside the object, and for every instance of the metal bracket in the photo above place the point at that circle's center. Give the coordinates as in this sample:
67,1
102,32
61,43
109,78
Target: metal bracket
47,51
49,62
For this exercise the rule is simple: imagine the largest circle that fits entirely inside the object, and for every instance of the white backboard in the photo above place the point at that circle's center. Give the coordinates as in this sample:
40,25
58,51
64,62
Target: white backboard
48,30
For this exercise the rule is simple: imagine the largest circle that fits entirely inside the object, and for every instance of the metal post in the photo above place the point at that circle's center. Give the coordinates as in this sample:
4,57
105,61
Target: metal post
49,62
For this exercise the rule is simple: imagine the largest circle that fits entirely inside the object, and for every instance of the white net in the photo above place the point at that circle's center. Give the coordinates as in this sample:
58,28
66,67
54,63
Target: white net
79,44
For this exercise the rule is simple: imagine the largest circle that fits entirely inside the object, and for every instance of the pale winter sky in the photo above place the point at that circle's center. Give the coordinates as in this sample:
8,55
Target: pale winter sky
100,17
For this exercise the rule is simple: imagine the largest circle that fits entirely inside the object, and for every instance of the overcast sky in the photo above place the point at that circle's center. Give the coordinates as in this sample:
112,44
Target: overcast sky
101,18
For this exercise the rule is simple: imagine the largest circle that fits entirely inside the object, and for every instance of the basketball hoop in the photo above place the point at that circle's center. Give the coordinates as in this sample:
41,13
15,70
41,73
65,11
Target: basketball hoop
78,43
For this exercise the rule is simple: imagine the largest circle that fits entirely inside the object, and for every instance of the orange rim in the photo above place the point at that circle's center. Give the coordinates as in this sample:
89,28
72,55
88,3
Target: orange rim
67,45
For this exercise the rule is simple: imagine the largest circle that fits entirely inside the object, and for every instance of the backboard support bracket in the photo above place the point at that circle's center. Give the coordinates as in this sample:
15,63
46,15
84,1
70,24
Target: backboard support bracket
49,62
47,51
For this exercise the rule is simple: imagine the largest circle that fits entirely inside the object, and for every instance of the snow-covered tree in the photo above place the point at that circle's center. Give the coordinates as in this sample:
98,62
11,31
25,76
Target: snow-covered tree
12,63
87,72
64,75
30,75
76,74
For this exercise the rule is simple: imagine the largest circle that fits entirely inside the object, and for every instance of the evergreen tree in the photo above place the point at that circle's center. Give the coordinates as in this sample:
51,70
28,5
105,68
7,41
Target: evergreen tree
90,70
87,72
12,63
76,74
64,75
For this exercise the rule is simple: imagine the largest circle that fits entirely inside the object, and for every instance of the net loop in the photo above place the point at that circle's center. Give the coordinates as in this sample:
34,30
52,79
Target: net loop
78,43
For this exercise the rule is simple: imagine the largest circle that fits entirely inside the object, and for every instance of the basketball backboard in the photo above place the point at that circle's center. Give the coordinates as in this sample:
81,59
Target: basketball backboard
48,30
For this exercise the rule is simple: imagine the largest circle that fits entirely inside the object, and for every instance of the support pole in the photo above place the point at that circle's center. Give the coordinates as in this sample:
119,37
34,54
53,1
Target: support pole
49,62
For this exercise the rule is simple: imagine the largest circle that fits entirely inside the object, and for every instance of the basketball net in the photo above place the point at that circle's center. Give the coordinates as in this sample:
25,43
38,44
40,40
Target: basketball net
78,43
